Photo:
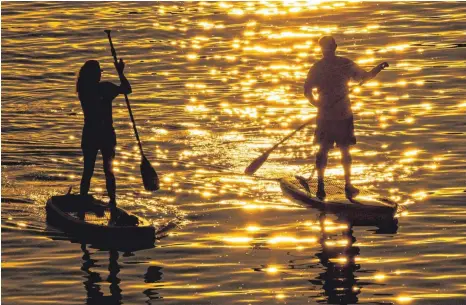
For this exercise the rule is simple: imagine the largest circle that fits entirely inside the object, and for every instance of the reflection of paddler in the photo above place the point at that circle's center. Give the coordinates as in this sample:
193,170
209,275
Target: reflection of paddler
98,133
339,281
94,295
326,87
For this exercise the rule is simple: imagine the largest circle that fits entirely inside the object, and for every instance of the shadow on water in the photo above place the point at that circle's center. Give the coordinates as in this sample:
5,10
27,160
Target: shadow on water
339,283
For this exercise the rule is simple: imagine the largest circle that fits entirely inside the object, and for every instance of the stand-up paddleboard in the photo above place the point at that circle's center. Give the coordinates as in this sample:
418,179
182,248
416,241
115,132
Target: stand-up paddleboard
89,219
365,206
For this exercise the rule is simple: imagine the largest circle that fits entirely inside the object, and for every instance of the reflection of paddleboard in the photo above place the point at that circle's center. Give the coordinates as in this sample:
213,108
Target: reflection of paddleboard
87,217
365,205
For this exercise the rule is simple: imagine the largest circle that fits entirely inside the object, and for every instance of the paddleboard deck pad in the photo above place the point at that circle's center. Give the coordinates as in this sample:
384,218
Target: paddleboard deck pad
365,206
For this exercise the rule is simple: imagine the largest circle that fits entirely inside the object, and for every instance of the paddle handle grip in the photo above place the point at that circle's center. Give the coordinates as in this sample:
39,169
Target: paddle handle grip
115,59
111,45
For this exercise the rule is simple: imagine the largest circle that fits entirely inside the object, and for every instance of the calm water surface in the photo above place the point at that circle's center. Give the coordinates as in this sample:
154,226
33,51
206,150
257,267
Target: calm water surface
214,84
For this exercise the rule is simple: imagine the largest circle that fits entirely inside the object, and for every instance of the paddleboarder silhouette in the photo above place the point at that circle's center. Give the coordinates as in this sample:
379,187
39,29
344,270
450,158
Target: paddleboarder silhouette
326,87
98,133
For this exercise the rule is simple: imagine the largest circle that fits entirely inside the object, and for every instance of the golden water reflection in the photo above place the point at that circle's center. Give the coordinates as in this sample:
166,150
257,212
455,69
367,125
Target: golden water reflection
216,83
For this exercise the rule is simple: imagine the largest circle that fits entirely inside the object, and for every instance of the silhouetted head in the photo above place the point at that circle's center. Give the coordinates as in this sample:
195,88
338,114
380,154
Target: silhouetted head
327,45
89,75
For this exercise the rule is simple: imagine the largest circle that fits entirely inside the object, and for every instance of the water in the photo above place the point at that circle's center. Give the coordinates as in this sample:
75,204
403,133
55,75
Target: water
214,85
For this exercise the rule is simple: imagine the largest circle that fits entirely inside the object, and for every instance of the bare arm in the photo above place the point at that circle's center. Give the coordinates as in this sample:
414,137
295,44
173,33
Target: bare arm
363,76
125,86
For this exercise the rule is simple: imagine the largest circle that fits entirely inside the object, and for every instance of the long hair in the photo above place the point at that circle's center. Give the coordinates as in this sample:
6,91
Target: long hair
88,76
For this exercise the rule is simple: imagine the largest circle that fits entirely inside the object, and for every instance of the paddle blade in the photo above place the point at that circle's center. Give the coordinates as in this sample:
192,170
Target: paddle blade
256,164
149,176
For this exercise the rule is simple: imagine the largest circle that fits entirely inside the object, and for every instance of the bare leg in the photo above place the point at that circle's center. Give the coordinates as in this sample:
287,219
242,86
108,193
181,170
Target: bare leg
321,164
108,154
89,163
321,161
346,160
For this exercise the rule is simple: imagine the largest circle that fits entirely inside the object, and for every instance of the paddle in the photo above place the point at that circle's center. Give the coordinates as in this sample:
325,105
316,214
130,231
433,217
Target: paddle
148,173
259,161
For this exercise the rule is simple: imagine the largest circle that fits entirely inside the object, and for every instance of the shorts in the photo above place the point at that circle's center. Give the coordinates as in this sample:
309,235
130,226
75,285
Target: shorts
98,138
329,132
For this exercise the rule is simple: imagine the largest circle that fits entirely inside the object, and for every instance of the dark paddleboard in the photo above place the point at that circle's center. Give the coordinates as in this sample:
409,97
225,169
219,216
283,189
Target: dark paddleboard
89,219
364,207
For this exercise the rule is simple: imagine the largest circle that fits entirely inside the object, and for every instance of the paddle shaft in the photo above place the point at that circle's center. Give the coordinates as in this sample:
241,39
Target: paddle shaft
126,96
290,135
258,162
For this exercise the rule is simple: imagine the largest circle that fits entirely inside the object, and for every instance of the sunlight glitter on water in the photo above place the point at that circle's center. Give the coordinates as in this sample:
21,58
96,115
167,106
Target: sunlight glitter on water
215,84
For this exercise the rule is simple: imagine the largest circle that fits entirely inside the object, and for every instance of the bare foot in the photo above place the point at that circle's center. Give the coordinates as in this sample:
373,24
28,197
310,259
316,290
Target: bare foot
351,191
321,190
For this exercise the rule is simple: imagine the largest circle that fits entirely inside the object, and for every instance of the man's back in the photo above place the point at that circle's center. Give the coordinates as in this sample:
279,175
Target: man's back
330,76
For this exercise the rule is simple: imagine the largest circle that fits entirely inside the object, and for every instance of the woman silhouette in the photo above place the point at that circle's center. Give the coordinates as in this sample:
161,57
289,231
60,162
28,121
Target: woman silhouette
98,133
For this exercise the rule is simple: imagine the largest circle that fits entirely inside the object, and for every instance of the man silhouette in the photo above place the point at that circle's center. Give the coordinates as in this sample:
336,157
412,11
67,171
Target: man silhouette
326,88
